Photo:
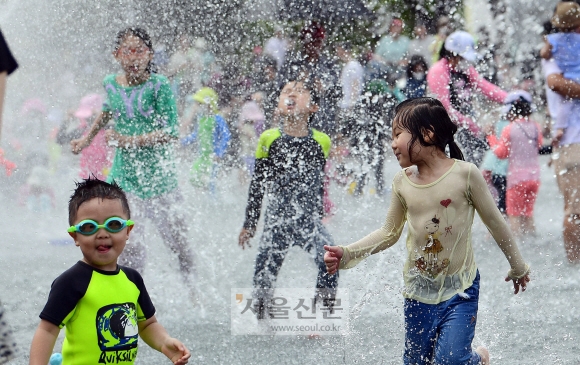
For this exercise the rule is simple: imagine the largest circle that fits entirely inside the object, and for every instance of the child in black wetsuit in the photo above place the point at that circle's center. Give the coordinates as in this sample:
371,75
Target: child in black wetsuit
290,167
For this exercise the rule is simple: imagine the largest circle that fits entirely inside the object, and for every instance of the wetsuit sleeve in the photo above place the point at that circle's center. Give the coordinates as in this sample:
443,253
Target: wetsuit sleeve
263,171
379,240
146,309
65,293
257,188
483,202
7,62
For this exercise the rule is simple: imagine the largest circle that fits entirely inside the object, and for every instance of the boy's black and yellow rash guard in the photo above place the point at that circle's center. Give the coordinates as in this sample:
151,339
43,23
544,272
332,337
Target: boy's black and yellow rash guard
292,169
100,311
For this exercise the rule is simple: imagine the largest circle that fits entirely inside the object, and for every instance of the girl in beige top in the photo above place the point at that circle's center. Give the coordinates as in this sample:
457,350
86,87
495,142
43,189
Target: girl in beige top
437,196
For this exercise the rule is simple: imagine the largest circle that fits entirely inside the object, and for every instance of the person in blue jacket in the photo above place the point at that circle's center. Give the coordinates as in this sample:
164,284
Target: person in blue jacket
212,136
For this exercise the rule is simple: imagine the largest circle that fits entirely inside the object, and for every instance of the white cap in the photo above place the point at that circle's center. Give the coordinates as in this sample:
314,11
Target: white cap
514,96
462,43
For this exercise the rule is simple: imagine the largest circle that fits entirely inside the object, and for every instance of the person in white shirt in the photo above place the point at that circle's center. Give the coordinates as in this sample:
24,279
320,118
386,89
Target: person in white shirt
351,77
277,46
422,44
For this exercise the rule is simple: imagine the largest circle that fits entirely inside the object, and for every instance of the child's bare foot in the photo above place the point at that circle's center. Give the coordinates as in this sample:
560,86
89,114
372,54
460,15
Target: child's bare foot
482,351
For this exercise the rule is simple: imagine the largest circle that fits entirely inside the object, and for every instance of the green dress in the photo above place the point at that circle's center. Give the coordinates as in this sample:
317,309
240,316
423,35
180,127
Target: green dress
148,171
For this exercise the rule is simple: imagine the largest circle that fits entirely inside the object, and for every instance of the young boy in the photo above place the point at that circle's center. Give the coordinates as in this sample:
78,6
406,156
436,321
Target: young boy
104,306
290,165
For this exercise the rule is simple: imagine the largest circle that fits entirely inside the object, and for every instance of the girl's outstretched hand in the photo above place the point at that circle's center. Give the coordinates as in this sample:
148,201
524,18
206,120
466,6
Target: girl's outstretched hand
521,282
332,258
175,351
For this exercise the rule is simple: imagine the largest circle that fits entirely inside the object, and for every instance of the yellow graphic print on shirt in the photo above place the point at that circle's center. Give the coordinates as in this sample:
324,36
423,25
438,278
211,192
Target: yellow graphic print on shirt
428,263
117,332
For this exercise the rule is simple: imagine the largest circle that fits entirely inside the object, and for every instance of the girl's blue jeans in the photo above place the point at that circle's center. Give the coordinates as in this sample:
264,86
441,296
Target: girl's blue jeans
441,334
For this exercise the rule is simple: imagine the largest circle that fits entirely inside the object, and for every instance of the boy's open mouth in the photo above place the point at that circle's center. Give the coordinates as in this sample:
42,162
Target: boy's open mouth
289,102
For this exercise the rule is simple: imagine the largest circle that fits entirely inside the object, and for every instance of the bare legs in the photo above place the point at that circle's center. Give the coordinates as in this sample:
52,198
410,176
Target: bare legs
572,238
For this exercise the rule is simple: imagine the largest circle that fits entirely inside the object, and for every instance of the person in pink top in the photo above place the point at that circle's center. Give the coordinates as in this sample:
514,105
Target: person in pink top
519,142
454,81
95,159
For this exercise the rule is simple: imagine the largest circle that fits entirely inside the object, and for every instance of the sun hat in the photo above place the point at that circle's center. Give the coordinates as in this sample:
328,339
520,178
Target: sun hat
462,43
567,15
517,95
89,104
207,95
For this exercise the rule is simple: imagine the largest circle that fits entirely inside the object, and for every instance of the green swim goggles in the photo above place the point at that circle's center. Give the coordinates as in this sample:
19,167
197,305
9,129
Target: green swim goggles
89,226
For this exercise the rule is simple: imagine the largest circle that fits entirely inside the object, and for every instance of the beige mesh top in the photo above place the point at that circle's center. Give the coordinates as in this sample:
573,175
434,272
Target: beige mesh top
440,260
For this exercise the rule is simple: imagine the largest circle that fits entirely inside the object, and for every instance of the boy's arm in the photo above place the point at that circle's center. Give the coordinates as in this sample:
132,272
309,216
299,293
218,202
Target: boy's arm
256,194
255,197
155,335
43,343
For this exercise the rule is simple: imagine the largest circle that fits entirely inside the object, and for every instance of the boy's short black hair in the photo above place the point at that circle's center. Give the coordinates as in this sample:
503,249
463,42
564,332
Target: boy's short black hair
94,188
308,81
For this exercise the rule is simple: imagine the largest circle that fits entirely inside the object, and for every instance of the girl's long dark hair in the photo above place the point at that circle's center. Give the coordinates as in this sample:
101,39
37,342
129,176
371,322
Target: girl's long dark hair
142,35
422,115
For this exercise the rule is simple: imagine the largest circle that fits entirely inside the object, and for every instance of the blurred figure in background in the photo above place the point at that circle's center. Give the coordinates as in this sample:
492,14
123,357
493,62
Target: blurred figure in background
277,46
32,135
423,43
486,64
371,135
265,89
97,157
455,82
519,143
310,60
351,81
416,84
443,30
251,124
393,47
494,169
181,71
212,136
